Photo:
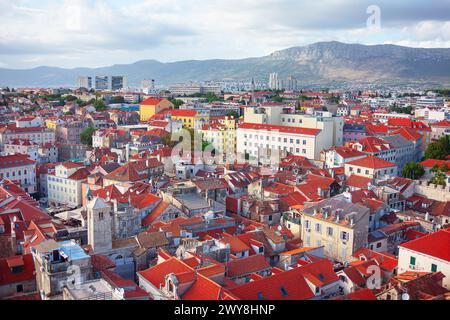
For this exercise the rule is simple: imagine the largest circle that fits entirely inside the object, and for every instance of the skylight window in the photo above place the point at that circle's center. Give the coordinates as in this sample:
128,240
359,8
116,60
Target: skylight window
283,292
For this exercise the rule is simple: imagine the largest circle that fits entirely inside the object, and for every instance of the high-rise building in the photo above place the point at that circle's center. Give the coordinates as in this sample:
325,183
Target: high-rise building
274,83
84,82
150,84
118,83
291,84
101,82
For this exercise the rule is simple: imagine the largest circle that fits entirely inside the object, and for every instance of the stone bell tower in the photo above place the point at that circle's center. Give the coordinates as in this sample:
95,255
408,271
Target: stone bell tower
99,225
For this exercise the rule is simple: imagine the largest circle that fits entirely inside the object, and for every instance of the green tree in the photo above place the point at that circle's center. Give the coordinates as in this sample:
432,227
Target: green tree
99,105
177,103
435,168
233,114
70,98
86,136
439,179
277,98
212,97
398,109
438,150
413,170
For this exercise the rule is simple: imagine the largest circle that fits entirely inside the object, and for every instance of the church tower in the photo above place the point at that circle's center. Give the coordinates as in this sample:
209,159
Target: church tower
99,225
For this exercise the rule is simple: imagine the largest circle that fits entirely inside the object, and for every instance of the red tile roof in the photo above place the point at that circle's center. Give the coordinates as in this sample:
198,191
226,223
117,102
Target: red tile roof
72,165
17,160
81,174
363,294
444,123
374,145
184,113
27,274
145,200
372,163
151,102
359,182
130,172
289,285
155,214
282,129
236,245
436,245
376,129
247,265
408,134
157,274
347,153
430,163
400,122
384,260
279,189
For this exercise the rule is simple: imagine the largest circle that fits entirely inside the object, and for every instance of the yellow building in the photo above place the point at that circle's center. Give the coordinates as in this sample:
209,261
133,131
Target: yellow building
186,117
221,135
52,122
338,225
148,108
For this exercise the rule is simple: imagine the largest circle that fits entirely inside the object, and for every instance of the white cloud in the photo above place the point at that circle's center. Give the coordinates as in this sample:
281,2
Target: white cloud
100,32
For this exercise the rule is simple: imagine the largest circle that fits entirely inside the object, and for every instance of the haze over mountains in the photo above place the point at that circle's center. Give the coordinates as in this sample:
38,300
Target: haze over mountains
321,63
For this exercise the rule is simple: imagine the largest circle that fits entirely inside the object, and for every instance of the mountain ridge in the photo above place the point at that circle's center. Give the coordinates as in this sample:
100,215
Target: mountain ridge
318,63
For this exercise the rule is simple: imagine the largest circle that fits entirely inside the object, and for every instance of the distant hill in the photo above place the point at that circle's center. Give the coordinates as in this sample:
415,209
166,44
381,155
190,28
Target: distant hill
320,63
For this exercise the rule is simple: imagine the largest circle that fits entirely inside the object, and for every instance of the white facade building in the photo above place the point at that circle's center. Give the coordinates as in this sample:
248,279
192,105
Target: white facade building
64,187
427,254
21,169
331,128
260,140
19,146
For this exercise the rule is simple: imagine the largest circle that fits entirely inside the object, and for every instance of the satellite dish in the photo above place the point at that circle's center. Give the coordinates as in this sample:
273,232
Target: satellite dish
405,297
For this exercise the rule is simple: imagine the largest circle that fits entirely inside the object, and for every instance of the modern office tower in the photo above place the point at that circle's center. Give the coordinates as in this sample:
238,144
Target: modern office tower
118,83
84,82
101,82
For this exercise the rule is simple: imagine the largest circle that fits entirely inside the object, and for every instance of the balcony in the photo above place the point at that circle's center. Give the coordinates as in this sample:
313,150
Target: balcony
287,217
56,267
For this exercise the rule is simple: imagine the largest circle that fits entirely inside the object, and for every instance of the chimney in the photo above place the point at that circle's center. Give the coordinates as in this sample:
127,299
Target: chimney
337,216
319,191
13,226
348,197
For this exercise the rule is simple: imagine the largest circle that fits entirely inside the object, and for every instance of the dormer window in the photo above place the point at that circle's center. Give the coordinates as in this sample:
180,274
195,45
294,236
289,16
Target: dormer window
171,286
17,269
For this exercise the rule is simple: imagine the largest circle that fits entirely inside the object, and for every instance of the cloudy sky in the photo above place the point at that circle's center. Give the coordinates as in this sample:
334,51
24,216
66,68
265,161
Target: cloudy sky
74,33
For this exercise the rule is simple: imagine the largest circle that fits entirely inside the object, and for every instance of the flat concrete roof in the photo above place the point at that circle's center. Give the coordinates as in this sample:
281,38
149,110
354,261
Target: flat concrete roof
192,201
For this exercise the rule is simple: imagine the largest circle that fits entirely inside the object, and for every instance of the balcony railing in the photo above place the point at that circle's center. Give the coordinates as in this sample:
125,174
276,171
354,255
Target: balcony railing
287,217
